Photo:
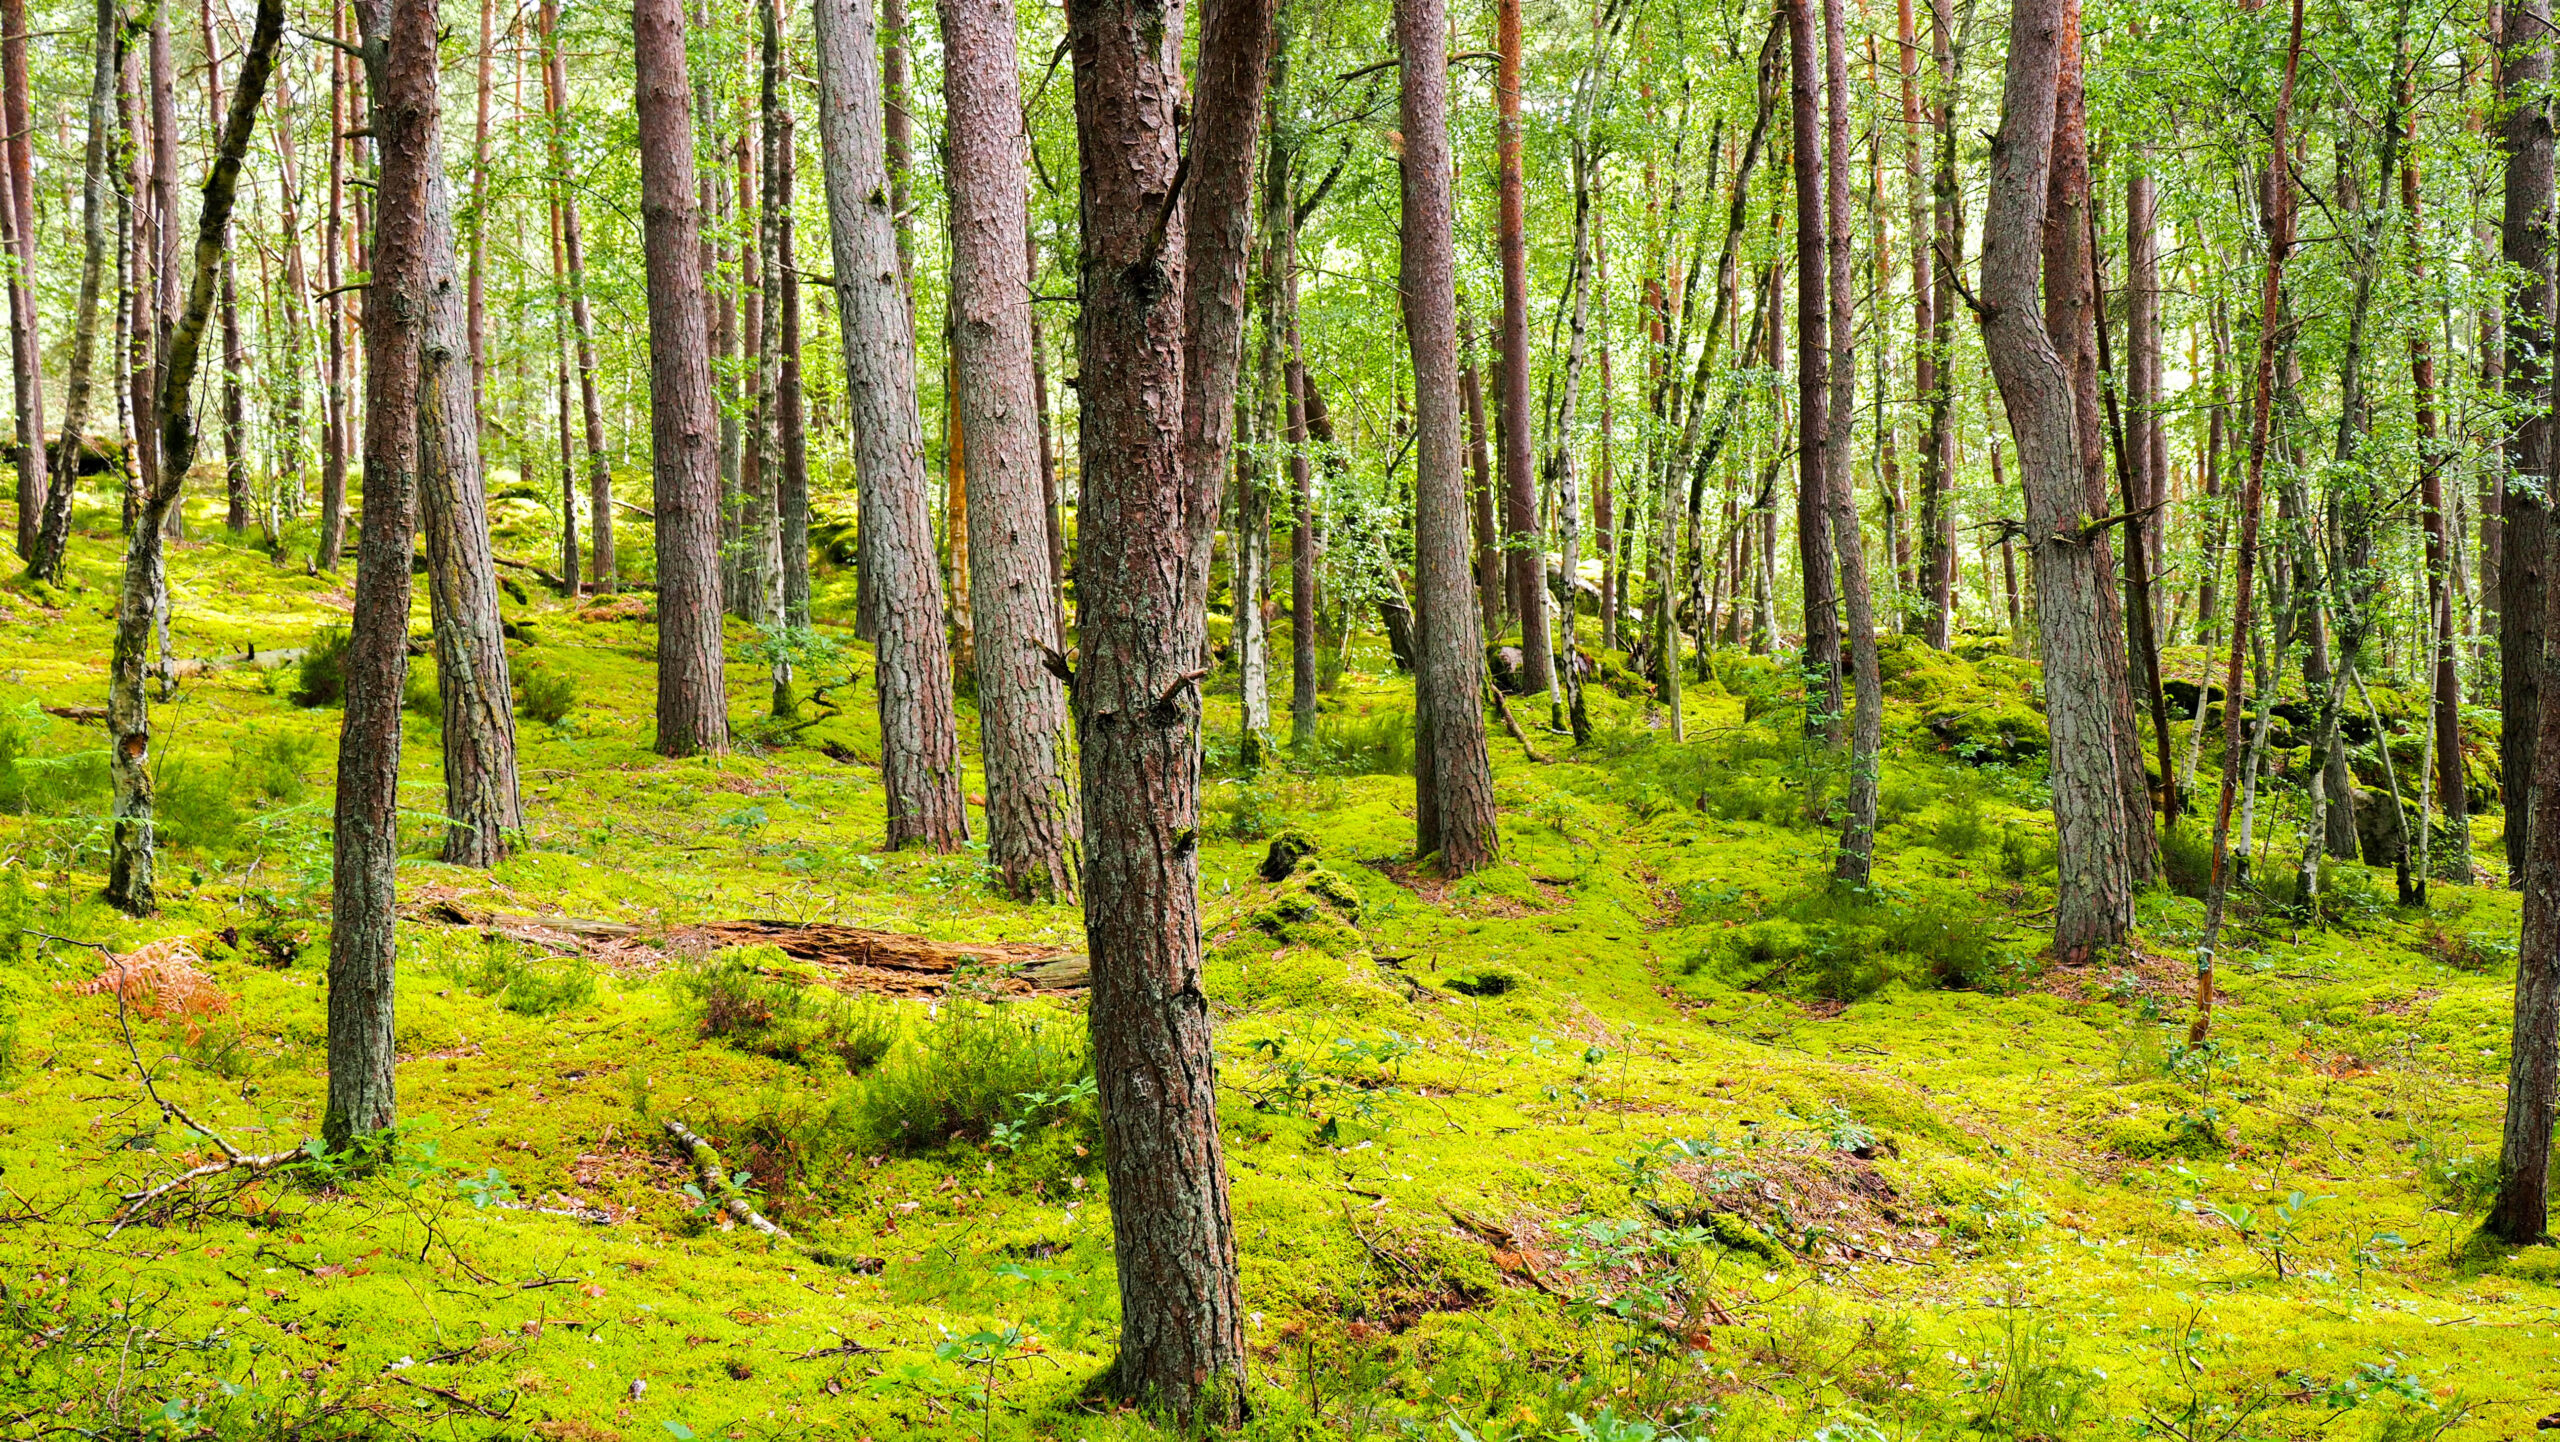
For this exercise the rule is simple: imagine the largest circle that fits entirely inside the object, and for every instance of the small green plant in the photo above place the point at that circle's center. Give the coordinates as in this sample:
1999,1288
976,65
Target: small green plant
545,692
2024,1383
276,764
966,1073
192,803
320,677
2273,1233
785,651
504,974
739,1003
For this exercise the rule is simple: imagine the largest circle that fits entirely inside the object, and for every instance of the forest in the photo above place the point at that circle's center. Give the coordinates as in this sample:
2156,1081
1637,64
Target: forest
1629,721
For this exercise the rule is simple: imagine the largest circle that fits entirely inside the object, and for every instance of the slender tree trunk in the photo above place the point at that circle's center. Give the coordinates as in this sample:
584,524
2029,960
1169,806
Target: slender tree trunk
2523,512
2094,896
1523,542
235,420
1031,816
1050,505
1937,553
17,228
693,711
591,408
1302,533
55,534
1858,824
336,411
919,740
791,417
1492,579
2453,793
2239,770
1161,337
1824,707
1454,813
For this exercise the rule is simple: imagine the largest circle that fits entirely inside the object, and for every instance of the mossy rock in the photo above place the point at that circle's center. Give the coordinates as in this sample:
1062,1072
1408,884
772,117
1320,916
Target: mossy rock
1915,671
1991,730
1288,848
1315,908
1485,981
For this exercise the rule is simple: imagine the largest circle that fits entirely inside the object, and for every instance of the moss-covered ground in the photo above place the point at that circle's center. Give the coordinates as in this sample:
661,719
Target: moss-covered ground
1642,1129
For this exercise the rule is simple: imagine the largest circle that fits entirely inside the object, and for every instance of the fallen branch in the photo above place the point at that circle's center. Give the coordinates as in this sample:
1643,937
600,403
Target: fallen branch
232,1160
716,1186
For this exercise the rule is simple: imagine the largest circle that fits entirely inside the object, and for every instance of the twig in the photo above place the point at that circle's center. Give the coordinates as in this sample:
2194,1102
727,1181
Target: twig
233,1159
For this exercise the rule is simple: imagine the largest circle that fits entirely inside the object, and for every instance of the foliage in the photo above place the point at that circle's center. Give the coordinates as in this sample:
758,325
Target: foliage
977,1072
739,1000
320,677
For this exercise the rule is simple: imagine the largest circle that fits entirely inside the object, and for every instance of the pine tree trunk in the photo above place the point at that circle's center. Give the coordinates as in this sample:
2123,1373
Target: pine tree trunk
1858,823
55,534
1824,705
336,415
573,245
1031,818
919,740
2071,320
791,420
2523,514
2453,792
476,308
1454,813
17,228
1523,541
2094,898
235,419
693,711
1158,362
1302,529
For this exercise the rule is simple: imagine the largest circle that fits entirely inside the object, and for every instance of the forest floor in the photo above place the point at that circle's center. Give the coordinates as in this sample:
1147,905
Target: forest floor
1642,1129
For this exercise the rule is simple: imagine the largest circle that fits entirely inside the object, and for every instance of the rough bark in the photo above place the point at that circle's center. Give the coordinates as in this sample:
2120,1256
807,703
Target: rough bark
555,94
17,228
919,740
335,413
2279,205
1158,366
1814,551
1454,814
1858,821
55,534
2523,510
1031,816
692,699
2452,794
2094,896
791,415
362,916
1524,542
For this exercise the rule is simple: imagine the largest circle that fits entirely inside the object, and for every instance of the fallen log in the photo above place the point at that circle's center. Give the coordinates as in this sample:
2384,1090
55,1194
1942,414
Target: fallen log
855,958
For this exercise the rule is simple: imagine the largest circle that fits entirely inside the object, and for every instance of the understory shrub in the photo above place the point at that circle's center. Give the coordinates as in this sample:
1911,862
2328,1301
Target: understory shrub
1373,745
320,678
525,985
979,1072
545,693
37,781
1844,945
738,1002
192,805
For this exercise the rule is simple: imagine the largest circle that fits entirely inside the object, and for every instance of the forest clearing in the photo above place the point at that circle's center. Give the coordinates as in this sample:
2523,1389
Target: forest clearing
743,720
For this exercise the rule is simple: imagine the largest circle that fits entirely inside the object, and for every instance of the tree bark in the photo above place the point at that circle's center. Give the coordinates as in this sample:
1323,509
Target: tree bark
476,309
693,713
1031,817
335,415
1858,822
361,920
2523,512
791,417
1824,708
2094,895
1454,814
2235,764
55,534
1524,541
1492,580
919,740
2453,793
599,471
17,227
1161,335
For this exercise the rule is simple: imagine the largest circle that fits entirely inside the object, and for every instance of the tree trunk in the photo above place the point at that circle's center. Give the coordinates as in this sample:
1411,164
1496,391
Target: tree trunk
919,740
55,534
17,227
482,802
1824,708
2523,576
476,310
1454,814
361,1097
2071,304
235,420
555,95
1031,817
1303,679
2236,765
335,414
1523,542
791,419
1858,824
2453,793
693,712
2094,895
1492,580
1158,361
